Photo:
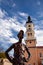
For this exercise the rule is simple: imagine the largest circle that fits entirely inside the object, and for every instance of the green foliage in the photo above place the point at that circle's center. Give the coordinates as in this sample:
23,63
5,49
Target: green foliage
2,55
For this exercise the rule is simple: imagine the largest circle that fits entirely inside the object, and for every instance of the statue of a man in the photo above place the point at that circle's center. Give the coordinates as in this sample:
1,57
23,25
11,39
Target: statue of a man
18,59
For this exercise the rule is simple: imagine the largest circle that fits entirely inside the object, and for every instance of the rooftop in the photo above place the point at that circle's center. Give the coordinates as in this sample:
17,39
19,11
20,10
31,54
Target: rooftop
29,20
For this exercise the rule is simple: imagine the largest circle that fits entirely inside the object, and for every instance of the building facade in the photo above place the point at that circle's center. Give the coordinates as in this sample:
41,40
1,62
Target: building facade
36,52
36,57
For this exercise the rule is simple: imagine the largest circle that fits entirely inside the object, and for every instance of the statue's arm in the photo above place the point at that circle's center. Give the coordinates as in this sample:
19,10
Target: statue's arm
7,51
27,52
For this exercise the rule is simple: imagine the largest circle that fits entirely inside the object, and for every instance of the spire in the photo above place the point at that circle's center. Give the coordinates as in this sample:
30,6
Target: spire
29,20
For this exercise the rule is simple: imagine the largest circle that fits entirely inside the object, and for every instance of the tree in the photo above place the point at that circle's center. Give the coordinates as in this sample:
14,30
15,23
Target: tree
2,55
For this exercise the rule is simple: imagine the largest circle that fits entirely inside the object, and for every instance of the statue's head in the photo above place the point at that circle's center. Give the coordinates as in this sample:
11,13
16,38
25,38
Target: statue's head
20,34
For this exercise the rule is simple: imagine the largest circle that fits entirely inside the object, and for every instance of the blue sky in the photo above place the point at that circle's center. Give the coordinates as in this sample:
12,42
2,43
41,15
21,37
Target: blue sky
13,17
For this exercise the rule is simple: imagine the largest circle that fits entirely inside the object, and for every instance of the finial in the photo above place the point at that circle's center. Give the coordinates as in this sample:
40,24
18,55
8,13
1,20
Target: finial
29,19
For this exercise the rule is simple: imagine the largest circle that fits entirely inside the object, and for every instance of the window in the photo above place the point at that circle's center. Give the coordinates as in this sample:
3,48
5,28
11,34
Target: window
30,33
29,26
29,29
40,54
30,41
33,63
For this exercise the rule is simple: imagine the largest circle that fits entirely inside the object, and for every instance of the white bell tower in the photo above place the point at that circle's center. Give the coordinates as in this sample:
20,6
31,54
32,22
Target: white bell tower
30,38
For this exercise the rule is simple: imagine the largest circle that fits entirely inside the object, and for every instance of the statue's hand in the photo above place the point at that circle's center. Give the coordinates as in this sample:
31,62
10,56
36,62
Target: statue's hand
25,60
28,58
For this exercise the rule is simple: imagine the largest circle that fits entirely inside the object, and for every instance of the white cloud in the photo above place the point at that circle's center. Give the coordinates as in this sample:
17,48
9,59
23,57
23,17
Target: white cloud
6,25
41,22
38,3
13,5
3,13
12,23
40,14
5,28
13,40
39,37
23,14
37,27
34,19
16,25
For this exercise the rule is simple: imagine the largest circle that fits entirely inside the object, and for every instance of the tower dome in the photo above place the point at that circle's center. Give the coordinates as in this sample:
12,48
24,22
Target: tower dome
29,20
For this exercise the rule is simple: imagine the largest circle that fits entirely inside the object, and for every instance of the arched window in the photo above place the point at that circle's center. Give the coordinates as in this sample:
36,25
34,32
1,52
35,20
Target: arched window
40,54
30,42
28,34
29,25
31,34
29,29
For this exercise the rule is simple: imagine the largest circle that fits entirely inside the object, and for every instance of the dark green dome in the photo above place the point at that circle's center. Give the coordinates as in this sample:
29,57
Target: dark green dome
29,20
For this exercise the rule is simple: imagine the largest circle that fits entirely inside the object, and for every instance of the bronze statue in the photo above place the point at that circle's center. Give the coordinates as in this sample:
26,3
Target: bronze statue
18,59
